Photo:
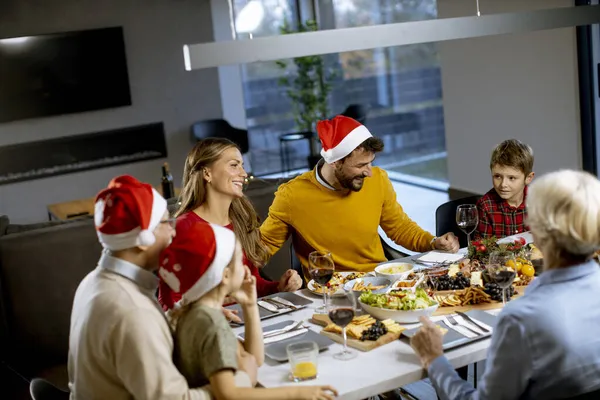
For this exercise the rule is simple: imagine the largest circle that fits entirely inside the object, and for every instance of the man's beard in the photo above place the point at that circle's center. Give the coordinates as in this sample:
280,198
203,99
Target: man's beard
353,183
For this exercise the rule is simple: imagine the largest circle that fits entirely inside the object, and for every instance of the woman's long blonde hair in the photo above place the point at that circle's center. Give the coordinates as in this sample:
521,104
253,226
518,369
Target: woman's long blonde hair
244,218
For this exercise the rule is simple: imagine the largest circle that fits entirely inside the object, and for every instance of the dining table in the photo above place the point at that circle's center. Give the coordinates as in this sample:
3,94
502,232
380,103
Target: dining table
372,372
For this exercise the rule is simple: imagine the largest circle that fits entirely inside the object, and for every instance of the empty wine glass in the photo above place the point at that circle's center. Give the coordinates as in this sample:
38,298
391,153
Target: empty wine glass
321,269
500,270
342,314
467,219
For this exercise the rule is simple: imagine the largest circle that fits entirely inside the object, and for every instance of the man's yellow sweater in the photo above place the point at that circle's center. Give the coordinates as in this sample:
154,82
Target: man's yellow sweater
320,218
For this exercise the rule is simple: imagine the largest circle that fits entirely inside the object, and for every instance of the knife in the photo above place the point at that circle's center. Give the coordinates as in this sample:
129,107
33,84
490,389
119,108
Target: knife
471,320
286,335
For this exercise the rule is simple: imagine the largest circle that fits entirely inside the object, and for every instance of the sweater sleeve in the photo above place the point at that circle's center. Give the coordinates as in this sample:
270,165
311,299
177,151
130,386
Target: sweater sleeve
397,225
141,348
275,230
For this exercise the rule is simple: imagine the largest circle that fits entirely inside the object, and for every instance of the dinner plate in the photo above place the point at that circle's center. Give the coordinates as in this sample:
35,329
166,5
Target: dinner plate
340,292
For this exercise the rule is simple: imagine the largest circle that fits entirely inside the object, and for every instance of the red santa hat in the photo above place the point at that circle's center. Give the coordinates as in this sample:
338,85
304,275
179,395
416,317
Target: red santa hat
340,136
127,212
193,264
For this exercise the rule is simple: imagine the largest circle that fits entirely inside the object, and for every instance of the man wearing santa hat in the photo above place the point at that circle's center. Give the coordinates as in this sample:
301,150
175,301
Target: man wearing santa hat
120,344
339,205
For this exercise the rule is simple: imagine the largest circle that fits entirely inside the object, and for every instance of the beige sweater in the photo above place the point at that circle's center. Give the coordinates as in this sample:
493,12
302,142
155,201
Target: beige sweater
120,345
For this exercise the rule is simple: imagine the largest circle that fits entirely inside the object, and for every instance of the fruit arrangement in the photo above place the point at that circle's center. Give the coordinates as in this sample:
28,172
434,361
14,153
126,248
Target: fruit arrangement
495,291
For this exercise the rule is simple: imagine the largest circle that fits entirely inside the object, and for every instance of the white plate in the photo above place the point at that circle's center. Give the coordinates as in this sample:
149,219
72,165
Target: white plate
340,292
400,316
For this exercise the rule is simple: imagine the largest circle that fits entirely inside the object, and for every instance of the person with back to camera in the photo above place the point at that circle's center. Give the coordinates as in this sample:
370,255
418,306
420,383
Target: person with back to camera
120,344
545,344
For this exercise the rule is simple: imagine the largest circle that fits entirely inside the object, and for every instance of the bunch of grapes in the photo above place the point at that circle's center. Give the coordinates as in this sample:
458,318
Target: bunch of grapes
374,332
495,291
445,282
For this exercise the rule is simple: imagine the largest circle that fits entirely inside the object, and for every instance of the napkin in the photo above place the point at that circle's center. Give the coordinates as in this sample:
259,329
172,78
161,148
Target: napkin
440,257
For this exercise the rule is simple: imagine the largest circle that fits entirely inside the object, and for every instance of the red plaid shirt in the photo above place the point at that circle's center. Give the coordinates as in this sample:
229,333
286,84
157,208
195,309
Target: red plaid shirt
497,218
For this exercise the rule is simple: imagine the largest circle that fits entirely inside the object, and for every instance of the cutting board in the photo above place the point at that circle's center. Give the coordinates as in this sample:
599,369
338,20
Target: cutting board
483,306
367,345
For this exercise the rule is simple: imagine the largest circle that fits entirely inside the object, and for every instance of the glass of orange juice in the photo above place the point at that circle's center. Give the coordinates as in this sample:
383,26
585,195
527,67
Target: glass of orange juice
303,360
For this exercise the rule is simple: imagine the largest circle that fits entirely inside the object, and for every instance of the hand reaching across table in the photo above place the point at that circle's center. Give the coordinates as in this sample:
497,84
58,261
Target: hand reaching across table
447,242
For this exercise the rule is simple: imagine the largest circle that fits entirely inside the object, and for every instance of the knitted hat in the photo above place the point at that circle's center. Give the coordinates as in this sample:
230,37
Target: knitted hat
194,263
340,136
127,212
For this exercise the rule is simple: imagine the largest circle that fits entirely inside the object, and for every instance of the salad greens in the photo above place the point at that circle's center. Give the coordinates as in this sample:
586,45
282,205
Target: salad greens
399,300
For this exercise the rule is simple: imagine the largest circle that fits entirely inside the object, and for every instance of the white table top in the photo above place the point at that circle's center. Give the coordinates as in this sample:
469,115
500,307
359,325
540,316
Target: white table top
377,371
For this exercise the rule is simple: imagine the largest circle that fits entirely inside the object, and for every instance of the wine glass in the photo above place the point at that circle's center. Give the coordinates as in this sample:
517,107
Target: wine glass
321,268
342,314
467,219
500,269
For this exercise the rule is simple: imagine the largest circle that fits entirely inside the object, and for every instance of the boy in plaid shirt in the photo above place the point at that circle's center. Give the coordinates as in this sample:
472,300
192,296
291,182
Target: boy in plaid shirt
502,210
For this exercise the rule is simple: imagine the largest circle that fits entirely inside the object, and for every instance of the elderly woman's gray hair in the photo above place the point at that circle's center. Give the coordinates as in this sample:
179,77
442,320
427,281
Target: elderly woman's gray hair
563,210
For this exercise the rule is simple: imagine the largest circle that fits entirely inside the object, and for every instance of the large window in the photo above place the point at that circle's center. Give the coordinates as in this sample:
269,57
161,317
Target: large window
400,87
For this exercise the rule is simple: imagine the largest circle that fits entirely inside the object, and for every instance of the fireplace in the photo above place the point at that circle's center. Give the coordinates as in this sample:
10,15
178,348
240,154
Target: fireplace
34,160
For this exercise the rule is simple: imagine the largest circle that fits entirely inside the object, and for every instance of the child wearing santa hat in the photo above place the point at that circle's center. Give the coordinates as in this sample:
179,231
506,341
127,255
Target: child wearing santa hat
120,344
205,265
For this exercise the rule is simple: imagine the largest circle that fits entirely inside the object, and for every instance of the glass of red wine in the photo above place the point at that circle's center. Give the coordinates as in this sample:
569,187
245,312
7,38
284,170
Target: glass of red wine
467,219
500,270
321,269
342,314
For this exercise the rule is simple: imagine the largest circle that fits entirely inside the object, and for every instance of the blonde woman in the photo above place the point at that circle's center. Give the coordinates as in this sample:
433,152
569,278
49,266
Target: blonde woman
212,192
545,345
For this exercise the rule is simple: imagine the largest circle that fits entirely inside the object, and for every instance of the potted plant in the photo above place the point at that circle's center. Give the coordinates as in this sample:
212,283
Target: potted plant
308,87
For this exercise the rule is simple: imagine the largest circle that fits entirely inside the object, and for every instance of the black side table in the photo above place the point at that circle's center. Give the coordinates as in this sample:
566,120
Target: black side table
286,164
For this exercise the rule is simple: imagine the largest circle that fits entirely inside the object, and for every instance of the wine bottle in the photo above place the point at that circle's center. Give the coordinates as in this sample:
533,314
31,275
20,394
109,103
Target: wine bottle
168,190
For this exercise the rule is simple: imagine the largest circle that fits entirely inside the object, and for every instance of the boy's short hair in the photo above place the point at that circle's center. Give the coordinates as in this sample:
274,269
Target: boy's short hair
513,153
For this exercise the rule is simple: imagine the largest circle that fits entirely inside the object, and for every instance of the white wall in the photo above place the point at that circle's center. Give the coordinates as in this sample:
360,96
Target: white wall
155,31
522,86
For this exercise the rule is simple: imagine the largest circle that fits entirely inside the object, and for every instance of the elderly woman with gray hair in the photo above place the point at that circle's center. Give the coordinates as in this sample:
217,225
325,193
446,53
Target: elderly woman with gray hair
546,345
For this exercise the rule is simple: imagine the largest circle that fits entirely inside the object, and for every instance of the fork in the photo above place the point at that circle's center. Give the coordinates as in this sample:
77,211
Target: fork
455,323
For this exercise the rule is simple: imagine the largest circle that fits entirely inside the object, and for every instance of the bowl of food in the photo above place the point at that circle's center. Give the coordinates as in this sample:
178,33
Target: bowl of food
373,284
401,305
394,270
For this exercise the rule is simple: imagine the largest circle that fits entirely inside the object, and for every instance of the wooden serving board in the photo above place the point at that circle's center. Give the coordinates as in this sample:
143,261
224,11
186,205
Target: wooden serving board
367,345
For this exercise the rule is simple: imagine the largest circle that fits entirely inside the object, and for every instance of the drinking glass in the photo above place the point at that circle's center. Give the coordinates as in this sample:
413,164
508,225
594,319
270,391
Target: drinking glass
342,314
467,219
500,269
303,360
321,268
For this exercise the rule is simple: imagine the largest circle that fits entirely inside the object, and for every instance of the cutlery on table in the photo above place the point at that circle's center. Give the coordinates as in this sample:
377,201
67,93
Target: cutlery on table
283,302
285,335
456,327
268,306
291,327
471,320
278,305
455,323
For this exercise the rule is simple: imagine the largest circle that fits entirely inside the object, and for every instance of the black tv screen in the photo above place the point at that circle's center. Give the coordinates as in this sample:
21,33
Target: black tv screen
63,73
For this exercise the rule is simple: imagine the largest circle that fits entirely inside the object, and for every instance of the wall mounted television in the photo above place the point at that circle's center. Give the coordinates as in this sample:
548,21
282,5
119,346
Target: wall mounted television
63,73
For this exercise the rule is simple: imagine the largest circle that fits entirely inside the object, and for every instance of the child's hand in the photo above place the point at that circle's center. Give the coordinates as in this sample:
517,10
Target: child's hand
315,393
231,315
246,295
